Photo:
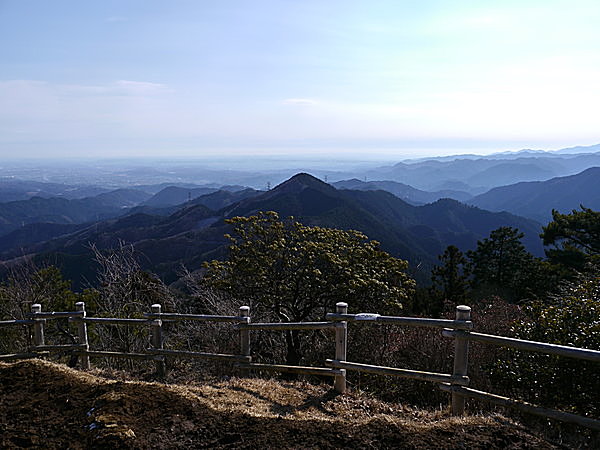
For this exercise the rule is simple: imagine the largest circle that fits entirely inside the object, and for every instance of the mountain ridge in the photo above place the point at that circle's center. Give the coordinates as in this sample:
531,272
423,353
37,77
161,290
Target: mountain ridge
537,199
195,233
401,190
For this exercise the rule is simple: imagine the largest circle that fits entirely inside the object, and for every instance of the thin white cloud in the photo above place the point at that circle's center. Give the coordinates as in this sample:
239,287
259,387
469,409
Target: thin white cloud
116,88
39,110
300,101
521,101
141,87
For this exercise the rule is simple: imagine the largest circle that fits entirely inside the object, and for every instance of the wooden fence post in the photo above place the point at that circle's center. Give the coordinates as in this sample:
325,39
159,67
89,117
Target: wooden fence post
461,359
245,333
83,337
157,340
341,340
38,326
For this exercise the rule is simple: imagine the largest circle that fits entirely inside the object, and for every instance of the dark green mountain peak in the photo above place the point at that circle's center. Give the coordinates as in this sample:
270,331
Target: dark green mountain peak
449,203
302,181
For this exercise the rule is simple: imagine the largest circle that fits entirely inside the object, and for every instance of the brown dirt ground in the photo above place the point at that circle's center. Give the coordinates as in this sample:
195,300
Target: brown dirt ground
47,405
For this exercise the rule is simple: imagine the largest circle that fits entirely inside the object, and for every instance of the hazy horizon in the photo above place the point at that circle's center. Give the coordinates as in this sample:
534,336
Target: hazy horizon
263,161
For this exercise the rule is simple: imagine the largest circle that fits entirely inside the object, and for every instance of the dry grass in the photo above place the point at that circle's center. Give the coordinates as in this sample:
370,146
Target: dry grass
49,405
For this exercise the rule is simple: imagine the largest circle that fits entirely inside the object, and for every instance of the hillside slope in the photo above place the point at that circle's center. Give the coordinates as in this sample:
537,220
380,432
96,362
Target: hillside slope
48,405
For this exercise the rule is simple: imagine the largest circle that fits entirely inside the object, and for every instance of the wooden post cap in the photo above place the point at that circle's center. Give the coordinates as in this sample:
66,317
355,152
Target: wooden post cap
341,307
463,312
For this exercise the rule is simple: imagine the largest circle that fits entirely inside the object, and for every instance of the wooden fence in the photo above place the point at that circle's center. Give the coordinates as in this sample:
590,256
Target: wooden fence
456,383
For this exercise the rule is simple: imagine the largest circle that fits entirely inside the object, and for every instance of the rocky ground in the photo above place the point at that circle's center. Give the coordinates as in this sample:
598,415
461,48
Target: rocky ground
49,405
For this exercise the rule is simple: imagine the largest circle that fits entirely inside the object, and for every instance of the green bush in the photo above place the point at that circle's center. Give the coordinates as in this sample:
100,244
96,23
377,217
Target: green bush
570,318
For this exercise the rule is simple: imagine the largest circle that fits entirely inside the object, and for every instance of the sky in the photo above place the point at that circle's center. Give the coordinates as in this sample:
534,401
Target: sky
360,79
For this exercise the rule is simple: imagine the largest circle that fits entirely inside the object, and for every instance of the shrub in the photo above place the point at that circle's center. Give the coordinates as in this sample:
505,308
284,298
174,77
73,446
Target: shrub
570,318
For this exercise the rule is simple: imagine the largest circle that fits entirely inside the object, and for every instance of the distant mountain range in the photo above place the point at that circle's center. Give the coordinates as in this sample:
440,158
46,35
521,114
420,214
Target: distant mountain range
537,199
221,198
40,207
16,214
134,223
534,199
474,174
194,233
176,195
407,193
477,174
12,189
173,195
578,150
414,209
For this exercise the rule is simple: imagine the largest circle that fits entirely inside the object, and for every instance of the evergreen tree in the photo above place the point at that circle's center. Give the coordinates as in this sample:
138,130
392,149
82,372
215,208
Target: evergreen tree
574,237
500,265
449,280
287,271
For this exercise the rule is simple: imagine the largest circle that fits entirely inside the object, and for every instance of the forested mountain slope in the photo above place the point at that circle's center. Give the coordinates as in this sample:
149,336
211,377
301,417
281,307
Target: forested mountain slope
194,233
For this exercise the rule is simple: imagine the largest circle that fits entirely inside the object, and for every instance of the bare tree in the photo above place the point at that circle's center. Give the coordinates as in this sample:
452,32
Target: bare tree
125,290
27,284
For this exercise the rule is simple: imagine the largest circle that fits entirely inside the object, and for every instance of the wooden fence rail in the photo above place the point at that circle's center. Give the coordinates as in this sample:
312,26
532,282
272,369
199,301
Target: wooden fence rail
35,314
200,355
340,329
456,383
303,370
288,326
154,320
57,348
410,321
112,320
523,406
196,317
395,372
531,346
17,356
11,323
124,355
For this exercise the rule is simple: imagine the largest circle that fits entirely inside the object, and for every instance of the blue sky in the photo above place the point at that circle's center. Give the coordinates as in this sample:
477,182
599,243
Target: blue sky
322,78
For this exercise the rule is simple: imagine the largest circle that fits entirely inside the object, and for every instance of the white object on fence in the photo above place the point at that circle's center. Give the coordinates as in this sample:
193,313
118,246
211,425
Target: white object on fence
366,316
